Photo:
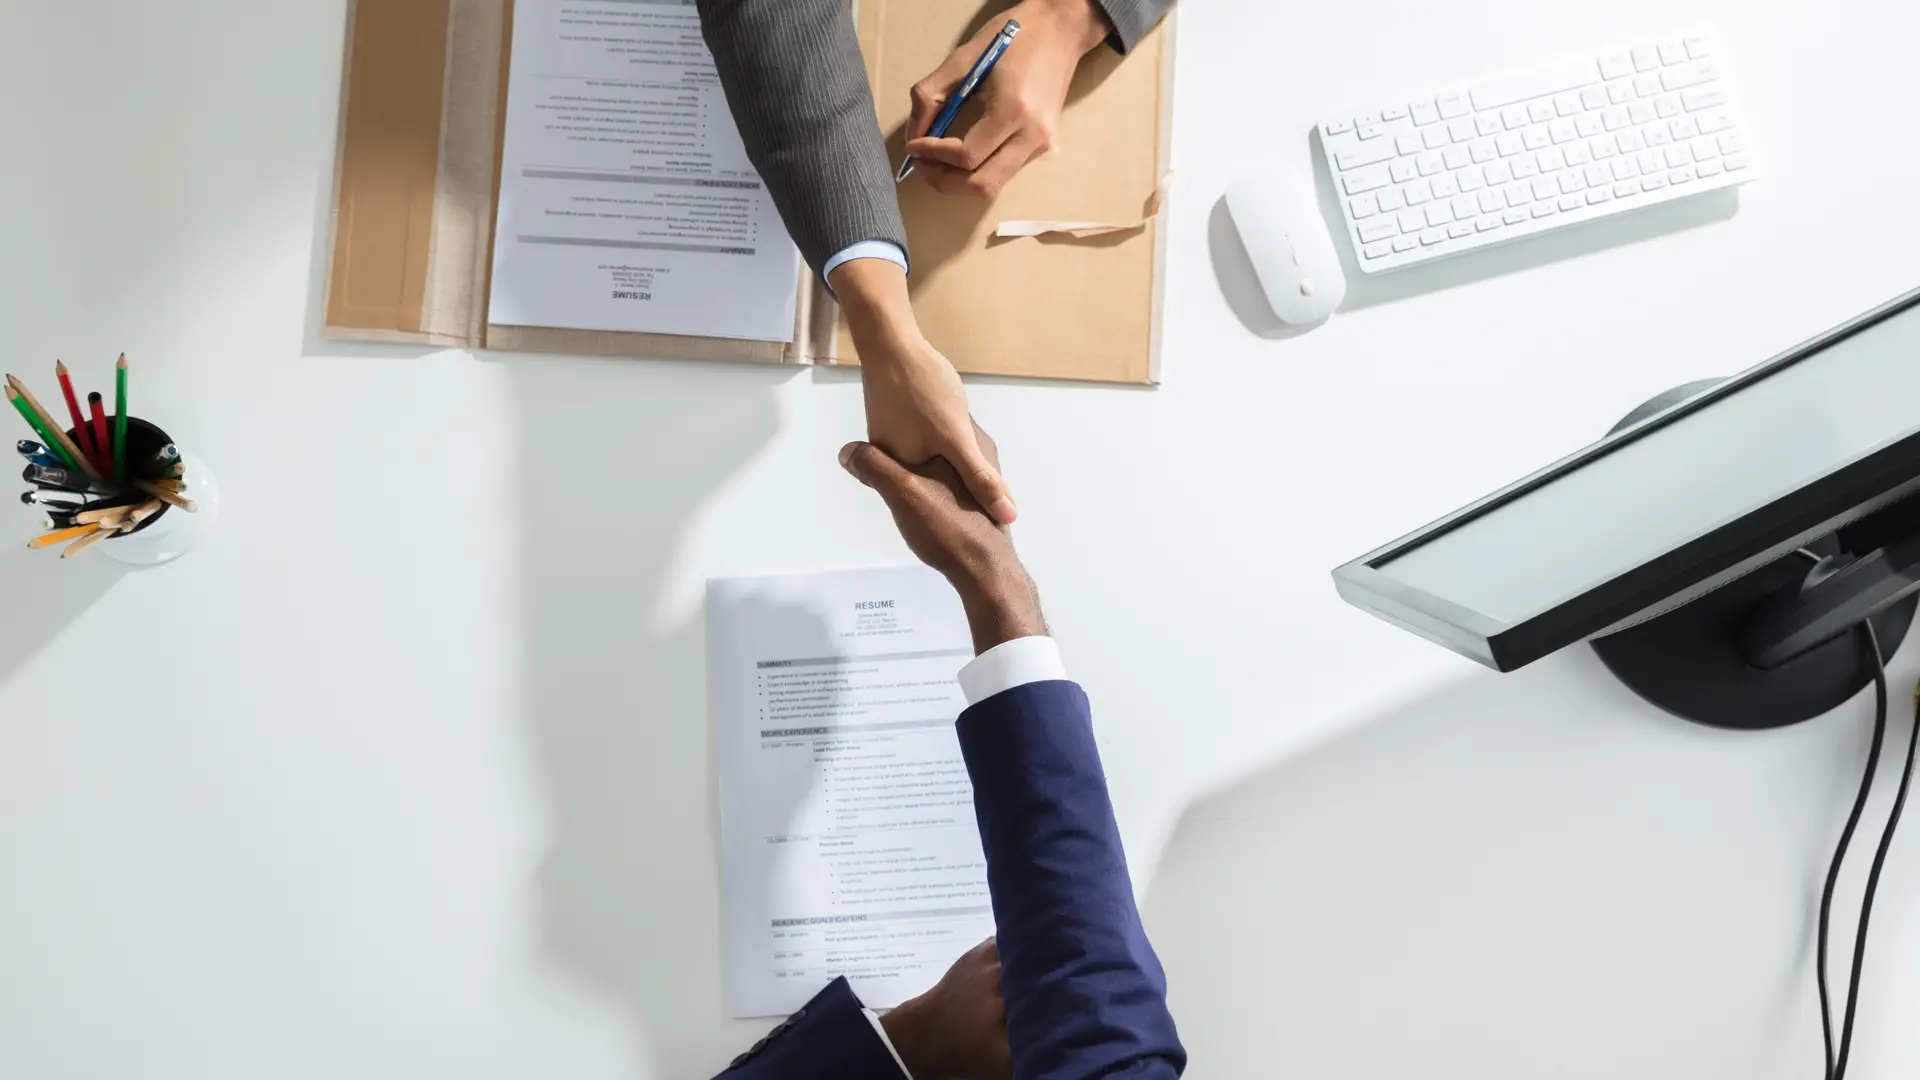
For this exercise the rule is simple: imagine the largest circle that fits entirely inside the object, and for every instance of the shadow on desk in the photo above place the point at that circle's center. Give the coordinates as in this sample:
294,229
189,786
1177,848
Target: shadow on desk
1234,270
1520,876
616,458
45,594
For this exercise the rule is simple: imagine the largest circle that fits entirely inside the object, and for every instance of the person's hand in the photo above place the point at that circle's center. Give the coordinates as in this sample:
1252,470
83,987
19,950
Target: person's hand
916,404
946,529
1022,95
958,1029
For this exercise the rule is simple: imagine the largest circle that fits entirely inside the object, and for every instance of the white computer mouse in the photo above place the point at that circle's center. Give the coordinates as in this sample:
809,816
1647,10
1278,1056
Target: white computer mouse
1279,221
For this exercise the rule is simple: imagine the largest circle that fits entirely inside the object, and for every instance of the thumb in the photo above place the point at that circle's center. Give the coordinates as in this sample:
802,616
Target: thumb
985,484
874,467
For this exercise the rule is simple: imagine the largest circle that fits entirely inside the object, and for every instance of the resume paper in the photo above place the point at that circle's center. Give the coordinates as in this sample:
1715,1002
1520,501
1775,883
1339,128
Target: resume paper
626,198
849,845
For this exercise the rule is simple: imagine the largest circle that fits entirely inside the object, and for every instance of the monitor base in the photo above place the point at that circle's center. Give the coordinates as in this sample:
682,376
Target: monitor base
1688,660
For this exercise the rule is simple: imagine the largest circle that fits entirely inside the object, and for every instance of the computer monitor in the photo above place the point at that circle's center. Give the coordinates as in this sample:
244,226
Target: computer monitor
1721,548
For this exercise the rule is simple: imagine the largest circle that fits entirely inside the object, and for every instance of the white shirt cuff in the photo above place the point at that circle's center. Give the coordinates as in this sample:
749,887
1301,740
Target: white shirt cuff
865,249
874,1019
1010,664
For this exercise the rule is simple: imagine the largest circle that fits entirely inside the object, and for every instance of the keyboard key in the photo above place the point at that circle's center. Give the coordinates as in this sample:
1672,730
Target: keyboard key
1488,223
1667,105
1428,163
1391,200
1402,170
1435,137
1572,181
1715,120
1535,138
1370,131
1417,192
1433,236
1703,97
1684,128
1396,112
1657,136
1498,172
1491,201
1524,167
1465,207
1603,147
1519,194
1731,143
1375,251
1562,131
1735,162
1509,144
1620,91
1631,142
1646,58
1625,168
1625,188
1445,186
1452,105
1571,202
1411,220
1693,74
1597,175
1578,154
1640,112
1698,47
1405,243
1653,183
1364,207
1439,213
1588,124
1646,86
1514,117
1367,179
1542,209
1596,196
1408,143
1368,118
1461,130
1681,175
1616,64
1544,187
1459,229
1540,111
1482,151
1672,52
1455,157
1711,168
1472,180
1614,118
1652,161
1550,159
1593,97
1487,123
1336,127
1363,156
1539,82
1381,229
1704,149
1678,155
1566,104
1514,217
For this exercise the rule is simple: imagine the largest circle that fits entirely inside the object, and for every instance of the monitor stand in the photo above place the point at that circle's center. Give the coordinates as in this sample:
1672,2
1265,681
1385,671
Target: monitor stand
1689,660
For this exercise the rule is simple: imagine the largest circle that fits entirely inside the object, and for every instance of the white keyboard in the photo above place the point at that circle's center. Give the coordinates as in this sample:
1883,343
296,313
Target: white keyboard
1507,157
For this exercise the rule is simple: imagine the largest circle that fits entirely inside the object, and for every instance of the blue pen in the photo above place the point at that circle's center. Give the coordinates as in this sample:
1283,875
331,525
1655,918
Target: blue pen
952,108
39,455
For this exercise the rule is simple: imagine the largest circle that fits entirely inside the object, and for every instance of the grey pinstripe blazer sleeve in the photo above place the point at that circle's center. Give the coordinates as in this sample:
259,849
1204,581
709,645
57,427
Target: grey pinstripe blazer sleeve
797,88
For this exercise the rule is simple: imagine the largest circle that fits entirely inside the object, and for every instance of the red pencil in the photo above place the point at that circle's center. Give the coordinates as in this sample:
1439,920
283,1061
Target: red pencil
104,453
80,434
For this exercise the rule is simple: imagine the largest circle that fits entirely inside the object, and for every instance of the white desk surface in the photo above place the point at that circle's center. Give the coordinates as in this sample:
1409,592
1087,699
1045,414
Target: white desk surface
407,774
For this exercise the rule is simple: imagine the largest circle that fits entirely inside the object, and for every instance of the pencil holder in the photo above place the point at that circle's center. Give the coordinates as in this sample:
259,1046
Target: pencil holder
171,532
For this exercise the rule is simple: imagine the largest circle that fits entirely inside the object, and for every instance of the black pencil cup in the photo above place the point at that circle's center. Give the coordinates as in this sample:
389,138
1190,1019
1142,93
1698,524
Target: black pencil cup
144,443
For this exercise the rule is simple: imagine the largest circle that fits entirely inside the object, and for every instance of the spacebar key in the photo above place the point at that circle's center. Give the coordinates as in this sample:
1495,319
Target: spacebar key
1536,83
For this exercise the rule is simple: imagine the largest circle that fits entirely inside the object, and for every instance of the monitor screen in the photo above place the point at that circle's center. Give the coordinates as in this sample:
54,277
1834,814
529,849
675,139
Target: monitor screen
1704,468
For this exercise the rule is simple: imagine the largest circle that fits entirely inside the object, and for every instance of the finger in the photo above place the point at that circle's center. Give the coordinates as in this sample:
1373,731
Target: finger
930,93
985,484
986,181
989,448
972,150
875,468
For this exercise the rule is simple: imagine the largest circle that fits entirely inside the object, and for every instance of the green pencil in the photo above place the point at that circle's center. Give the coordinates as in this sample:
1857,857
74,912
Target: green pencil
120,420
46,437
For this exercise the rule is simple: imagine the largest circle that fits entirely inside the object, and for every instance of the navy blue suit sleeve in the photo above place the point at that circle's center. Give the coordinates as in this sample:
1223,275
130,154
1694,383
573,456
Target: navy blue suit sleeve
829,1038
1086,997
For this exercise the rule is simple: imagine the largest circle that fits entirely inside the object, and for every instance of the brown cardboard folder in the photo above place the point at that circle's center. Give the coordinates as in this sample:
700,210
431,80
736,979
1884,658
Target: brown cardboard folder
417,178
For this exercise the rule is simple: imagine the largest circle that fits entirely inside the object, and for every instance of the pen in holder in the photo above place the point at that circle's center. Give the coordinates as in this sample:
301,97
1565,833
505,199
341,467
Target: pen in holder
119,484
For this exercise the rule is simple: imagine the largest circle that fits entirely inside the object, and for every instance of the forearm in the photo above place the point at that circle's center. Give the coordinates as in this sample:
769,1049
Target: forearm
798,91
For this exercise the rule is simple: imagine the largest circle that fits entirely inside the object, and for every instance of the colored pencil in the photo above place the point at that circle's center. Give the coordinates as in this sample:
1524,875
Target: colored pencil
164,495
120,419
73,408
50,432
100,441
61,536
103,514
85,542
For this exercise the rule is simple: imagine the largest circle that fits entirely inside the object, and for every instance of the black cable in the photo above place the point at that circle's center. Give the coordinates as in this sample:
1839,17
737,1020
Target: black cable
1870,647
1879,858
